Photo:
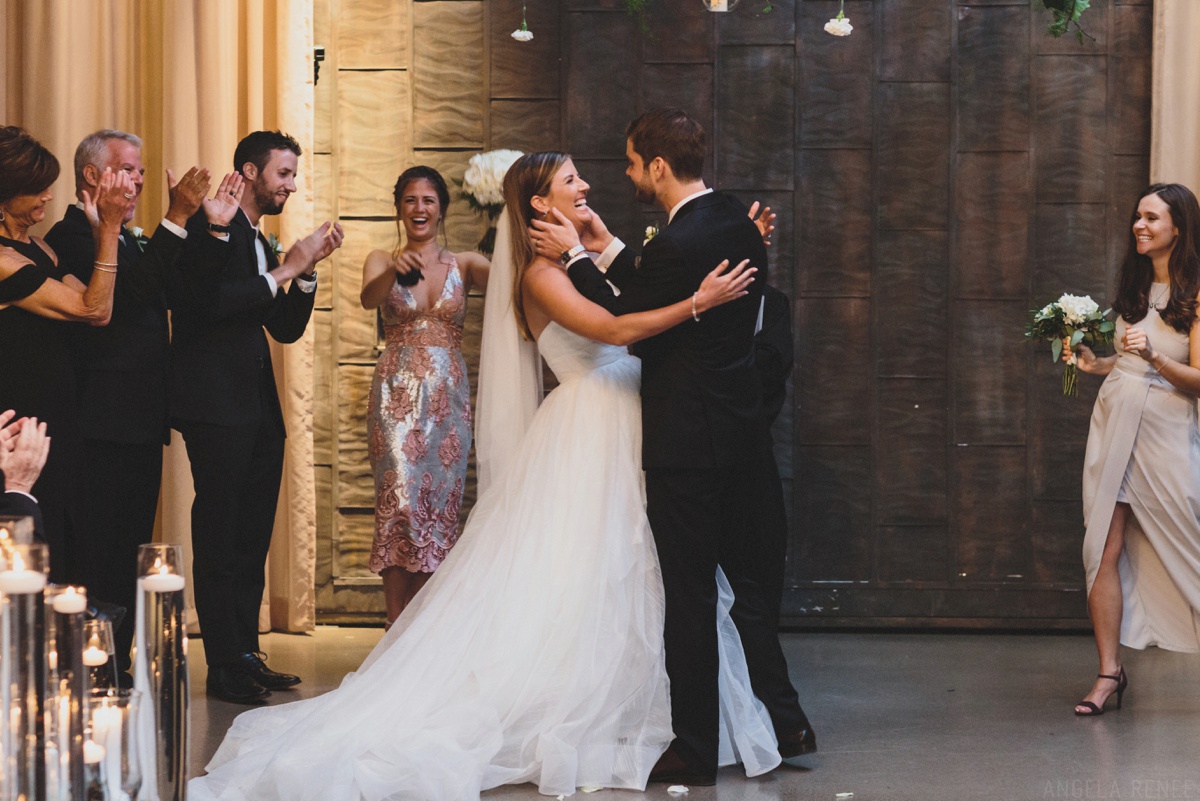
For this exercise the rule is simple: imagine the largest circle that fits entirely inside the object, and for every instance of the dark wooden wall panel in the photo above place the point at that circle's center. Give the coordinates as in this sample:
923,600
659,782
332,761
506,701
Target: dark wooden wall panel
993,201
830,496
937,174
913,554
915,40
913,178
833,213
1064,234
991,544
1071,121
754,27
524,69
1129,79
833,347
991,371
836,85
677,35
526,125
910,469
602,80
912,273
992,87
755,117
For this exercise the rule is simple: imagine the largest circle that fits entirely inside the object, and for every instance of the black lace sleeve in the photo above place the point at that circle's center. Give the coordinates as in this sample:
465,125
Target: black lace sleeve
21,284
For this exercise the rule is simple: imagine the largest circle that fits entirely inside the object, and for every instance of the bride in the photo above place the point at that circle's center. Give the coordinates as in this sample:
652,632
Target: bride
535,653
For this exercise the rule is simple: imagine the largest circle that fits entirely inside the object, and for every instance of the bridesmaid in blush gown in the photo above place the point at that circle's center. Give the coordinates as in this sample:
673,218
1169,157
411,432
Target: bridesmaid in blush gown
419,414
1141,474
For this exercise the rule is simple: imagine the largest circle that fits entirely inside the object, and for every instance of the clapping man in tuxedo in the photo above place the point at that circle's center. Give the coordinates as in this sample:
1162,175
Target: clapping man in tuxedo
705,440
225,404
124,368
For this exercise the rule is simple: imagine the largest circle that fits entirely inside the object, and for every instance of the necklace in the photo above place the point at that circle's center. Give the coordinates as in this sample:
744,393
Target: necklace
1155,302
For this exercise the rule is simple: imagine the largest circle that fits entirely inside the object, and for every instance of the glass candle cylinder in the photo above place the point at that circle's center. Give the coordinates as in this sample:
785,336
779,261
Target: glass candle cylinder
66,686
112,727
23,569
160,671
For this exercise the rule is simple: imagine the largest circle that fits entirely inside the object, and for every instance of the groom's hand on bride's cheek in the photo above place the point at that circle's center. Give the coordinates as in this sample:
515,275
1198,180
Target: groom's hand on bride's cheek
552,237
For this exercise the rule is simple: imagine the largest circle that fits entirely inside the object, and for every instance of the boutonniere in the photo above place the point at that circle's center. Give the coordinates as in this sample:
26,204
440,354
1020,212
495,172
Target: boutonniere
275,245
139,238
651,232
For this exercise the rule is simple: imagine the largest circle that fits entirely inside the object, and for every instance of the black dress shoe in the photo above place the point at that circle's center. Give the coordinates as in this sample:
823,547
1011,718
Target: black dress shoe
797,743
234,685
254,667
671,768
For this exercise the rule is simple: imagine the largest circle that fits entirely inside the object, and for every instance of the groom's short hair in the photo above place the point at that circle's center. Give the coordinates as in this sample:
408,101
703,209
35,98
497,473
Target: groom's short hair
671,134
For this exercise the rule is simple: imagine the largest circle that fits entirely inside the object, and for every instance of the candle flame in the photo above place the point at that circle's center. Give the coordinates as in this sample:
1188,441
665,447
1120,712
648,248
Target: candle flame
18,563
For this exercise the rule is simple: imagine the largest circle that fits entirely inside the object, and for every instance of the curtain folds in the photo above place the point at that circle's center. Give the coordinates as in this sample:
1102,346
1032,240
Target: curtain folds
191,77
1175,104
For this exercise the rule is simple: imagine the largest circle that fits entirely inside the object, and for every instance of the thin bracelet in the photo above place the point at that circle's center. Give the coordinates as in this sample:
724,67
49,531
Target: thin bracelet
1158,367
695,316
105,270
105,264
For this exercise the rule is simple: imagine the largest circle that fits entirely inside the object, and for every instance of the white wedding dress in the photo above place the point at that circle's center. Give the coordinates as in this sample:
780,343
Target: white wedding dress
535,652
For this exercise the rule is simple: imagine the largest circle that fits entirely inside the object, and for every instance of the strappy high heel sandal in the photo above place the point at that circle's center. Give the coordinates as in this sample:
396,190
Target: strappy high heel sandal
1092,710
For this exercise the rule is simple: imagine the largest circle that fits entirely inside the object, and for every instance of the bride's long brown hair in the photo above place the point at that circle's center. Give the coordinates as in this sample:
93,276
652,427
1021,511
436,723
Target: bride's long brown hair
529,176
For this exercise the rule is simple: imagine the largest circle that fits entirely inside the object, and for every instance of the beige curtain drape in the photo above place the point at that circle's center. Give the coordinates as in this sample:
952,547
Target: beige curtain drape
191,77
1175,105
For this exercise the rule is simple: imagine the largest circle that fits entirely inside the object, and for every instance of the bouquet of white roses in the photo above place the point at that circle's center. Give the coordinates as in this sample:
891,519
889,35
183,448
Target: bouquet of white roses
1073,318
483,188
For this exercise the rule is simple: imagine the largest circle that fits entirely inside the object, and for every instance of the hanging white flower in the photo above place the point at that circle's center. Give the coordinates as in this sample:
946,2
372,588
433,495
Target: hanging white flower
839,26
523,34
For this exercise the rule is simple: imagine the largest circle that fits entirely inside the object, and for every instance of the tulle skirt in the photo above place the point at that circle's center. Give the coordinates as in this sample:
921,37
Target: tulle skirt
534,653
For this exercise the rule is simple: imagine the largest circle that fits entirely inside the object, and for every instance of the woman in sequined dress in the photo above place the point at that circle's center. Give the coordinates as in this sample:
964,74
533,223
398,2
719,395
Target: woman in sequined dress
419,413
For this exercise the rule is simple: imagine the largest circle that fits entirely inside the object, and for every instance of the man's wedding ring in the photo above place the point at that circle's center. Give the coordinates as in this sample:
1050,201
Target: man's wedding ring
128,196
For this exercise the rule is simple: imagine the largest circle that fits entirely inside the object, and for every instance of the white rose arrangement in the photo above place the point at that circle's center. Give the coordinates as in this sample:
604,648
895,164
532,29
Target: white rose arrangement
483,188
1077,319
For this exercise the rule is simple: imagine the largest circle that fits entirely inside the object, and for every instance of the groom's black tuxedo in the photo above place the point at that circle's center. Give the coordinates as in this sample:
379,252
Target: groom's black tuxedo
224,402
705,445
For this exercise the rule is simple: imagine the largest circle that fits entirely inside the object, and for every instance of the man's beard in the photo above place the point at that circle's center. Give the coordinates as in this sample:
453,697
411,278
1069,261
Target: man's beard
644,192
266,202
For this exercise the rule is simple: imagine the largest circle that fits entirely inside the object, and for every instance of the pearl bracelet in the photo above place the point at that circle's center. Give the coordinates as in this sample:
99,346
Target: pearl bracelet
695,316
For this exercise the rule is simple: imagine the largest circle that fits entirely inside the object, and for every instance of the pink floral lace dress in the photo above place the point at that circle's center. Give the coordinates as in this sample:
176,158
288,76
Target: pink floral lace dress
419,425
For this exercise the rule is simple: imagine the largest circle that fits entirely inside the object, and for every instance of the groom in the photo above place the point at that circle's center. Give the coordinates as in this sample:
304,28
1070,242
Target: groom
704,440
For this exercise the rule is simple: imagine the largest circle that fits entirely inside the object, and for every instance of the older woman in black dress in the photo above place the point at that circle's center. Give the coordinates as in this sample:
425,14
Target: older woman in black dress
36,378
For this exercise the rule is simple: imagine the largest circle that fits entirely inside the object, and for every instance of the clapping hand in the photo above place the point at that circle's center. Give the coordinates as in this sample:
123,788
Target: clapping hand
115,195
186,194
220,208
304,255
24,447
764,221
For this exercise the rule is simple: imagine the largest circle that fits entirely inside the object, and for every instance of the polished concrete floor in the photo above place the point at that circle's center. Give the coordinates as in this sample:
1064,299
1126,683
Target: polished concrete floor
925,717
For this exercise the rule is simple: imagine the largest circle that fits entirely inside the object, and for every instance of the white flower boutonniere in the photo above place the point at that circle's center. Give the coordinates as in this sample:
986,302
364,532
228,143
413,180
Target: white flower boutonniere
275,245
139,238
651,232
